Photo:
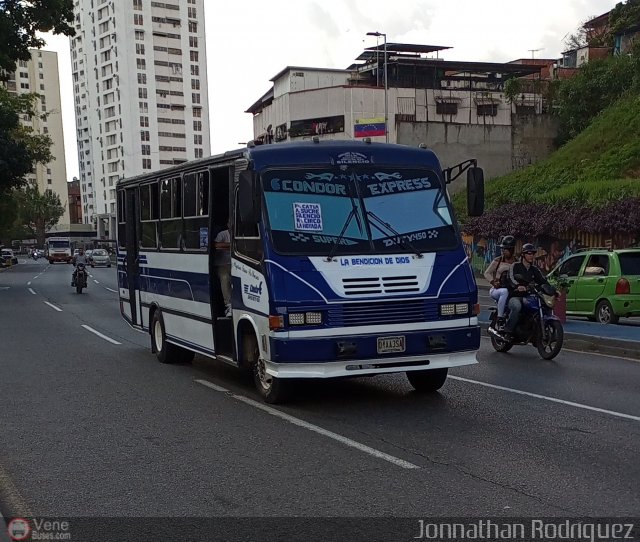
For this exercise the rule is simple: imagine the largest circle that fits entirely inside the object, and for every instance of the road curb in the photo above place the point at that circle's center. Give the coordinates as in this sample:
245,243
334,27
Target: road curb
598,345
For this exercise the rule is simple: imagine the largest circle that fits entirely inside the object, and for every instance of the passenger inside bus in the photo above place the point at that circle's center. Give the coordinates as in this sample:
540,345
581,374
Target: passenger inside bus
223,265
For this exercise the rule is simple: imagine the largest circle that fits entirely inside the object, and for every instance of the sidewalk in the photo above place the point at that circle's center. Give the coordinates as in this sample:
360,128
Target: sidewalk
619,339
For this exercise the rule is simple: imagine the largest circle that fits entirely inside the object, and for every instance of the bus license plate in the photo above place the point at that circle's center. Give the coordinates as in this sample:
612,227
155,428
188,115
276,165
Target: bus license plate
387,345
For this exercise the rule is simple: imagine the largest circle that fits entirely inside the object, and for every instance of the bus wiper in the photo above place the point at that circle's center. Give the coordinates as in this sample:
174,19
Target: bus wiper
352,213
404,242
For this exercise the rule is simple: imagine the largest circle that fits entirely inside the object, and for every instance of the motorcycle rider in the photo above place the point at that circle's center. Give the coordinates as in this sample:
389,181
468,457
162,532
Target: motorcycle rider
521,274
77,259
496,276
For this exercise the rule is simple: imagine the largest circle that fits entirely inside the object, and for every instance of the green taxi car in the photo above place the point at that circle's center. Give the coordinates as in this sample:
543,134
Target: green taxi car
603,285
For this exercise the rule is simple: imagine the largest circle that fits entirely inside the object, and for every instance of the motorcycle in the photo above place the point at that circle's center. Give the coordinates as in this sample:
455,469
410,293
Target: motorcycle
536,325
80,281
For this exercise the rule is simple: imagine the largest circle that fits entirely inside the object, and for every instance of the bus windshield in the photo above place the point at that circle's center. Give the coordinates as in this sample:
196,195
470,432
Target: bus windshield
59,244
363,210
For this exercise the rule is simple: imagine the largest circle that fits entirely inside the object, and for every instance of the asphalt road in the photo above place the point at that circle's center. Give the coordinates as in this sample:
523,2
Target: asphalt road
94,426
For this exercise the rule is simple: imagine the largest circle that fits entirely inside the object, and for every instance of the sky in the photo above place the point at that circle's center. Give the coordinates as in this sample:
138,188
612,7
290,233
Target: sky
250,41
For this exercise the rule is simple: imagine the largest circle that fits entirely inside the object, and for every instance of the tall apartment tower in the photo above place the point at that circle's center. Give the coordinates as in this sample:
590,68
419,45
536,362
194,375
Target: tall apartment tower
40,75
140,87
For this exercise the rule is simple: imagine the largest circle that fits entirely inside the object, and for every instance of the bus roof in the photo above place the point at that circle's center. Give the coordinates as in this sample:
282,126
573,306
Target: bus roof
324,152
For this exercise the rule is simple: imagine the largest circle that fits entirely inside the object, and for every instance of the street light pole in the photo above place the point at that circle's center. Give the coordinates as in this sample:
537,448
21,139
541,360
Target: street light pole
386,86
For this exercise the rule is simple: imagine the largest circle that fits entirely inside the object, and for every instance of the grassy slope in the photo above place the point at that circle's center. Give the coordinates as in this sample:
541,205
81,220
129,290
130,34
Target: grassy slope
601,164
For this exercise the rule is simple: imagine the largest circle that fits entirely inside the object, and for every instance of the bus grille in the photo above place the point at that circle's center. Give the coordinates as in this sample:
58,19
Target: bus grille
389,312
380,285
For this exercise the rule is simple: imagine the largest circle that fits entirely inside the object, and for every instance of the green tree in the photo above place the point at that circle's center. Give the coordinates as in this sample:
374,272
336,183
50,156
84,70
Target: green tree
22,20
624,16
39,212
20,146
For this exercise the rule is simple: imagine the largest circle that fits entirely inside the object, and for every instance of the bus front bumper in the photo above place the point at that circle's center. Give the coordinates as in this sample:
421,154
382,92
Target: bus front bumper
361,367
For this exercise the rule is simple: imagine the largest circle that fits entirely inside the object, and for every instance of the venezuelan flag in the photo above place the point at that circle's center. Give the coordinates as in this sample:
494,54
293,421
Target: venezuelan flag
369,127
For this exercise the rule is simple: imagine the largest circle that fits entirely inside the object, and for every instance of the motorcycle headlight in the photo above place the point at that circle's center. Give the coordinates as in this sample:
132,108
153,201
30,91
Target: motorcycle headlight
549,300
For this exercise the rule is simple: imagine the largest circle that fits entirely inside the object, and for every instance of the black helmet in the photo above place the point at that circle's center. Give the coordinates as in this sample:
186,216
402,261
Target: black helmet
508,241
528,247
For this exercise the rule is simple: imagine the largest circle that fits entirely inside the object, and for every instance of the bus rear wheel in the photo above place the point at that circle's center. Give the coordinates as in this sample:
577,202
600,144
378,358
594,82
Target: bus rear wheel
427,381
272,389
166,352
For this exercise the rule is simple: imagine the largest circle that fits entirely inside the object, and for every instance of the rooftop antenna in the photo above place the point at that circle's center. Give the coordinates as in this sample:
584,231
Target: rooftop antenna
534,51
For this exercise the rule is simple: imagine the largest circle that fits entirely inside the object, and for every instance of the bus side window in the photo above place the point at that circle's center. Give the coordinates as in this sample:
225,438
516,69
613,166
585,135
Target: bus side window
148,215
122,219
247,237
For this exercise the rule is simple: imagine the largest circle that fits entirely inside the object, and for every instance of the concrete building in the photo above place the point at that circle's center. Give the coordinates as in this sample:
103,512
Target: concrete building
40,75
140,87
458,109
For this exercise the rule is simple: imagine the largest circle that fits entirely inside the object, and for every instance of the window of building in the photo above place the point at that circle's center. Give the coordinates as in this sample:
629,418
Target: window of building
141,63
144,135
142,78
140,35
193,56
140,48
137,5
197,112
193,26
138,19
195,69
197,139
146,150
193,41
191,13
446,108
143,106
195,84
195,97
146,163
144,121
197,126
142,93
198,153
487,110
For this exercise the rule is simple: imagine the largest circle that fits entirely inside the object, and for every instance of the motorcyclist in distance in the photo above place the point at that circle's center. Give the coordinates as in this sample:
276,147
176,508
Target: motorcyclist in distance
77,258
521,275
496,274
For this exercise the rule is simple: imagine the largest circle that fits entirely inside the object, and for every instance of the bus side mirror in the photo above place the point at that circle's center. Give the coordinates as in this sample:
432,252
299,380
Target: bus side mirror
475,191
248,201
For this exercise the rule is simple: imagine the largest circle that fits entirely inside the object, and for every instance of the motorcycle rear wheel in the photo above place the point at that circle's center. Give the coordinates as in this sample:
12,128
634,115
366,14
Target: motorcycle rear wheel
550,344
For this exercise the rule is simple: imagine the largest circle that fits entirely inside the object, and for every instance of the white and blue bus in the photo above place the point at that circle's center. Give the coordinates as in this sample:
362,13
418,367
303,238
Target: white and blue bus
346,260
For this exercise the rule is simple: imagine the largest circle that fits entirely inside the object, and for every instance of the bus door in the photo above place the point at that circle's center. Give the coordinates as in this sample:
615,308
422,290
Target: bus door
221,179
132,263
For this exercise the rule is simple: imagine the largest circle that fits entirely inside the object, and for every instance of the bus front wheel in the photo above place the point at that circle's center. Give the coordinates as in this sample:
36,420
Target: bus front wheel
272,389
427,381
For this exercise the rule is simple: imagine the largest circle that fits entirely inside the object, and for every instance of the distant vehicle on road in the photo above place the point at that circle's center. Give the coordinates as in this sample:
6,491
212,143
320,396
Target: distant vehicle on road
604,285
9,257
99,257
58,249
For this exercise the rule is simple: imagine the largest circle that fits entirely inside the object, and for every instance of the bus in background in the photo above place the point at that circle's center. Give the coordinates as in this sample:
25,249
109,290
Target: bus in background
345,260
58,249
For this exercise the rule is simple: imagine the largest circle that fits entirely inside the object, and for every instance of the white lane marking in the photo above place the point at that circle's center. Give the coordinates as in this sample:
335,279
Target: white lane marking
53,306
32,291
94,280
89,328
111,290
316,429
29,283
546,398
212,385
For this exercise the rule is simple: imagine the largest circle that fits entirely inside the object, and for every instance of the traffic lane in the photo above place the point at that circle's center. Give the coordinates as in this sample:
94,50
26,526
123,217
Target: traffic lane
601,381
98,306
564,458
117,433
